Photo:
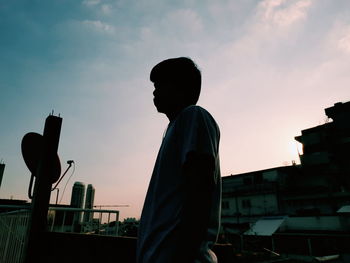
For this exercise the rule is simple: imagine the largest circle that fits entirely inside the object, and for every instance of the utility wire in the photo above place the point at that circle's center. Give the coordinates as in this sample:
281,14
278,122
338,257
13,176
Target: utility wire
64,189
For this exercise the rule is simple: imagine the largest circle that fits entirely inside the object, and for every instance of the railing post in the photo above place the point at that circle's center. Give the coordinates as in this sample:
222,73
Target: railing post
73,222
99,223
53,221
8,239
63,221
42,190
117,223
309,246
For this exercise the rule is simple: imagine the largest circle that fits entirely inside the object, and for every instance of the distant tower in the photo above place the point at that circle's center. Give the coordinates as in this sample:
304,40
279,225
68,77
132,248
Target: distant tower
77,199
89,202
2,168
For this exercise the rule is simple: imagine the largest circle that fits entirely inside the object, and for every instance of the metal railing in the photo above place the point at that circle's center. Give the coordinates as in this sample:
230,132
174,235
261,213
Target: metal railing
78,220
13,229
14,226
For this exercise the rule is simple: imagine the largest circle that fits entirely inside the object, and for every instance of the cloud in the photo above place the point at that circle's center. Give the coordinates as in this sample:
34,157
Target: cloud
274,24
91,2
283,13
106,9
344,42
184,19
99,26
341,38
175,33
99,7
178,26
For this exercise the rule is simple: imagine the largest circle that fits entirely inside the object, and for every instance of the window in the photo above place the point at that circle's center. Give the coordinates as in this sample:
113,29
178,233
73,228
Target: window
225,205
258,178
246,203
247,181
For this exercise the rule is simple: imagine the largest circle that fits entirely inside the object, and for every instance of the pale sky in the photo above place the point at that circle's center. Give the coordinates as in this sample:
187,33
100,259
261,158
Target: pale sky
269,69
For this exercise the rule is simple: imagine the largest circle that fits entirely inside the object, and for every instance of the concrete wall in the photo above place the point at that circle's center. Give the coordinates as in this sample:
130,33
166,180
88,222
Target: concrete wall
319,223
270,176
74,248
260,204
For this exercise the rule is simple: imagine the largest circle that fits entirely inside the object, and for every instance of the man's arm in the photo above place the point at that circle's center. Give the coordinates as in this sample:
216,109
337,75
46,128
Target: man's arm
199,172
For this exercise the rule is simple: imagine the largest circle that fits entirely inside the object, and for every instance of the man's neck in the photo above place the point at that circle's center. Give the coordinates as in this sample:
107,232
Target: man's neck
173,114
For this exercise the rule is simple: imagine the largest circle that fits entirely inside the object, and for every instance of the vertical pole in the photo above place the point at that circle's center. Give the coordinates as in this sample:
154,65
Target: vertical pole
237,209
241,242
73,222
42,190
117,223
53,220
99,223
309,246
63,221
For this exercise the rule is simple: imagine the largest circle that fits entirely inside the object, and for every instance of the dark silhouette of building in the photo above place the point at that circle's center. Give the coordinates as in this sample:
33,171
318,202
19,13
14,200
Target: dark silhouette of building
78,191
325,162
89,202
77,199
320,186
326,149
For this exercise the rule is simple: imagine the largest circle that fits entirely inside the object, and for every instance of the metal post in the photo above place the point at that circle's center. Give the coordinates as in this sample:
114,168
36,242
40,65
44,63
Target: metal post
73,222
117,223
99,224
53,221
64,219
309,246
42,190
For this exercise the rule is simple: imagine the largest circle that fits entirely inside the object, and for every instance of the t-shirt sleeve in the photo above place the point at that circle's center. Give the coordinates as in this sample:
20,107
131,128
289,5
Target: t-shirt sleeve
197,132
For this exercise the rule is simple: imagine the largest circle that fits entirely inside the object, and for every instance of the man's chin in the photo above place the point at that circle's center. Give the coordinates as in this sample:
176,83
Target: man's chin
159,108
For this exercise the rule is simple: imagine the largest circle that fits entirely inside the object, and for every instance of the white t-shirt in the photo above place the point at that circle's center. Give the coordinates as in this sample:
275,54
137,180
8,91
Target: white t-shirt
194,129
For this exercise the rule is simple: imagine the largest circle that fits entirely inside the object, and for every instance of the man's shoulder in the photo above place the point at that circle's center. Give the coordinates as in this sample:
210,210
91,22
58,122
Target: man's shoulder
193,110
195,113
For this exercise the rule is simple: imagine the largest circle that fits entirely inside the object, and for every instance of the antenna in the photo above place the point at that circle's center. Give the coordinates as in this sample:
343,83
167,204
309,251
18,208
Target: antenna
100,206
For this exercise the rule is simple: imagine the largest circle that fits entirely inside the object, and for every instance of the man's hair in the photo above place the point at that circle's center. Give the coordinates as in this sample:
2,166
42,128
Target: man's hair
181,71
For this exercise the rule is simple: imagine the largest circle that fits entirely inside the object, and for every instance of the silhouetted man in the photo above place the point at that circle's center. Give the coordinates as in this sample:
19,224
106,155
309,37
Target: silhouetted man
181,213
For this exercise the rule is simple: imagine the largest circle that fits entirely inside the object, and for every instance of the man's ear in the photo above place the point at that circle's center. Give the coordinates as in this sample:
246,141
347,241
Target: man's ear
183,97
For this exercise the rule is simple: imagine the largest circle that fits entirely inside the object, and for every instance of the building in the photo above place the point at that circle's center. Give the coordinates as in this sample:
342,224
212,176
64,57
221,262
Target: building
303,200
325,162
320,185
326,148
78,192
248,196
77,199
89,202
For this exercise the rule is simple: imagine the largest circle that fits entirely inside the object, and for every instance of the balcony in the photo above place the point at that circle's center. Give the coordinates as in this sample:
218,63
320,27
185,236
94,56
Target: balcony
64,224
250,189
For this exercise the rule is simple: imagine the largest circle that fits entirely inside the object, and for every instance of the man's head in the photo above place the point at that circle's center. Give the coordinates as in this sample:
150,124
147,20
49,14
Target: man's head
177,83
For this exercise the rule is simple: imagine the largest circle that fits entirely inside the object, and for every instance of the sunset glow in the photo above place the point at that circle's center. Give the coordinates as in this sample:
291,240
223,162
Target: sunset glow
269,69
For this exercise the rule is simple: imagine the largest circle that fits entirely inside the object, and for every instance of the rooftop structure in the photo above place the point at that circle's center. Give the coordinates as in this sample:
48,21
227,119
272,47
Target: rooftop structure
320,186
89,202
77,199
